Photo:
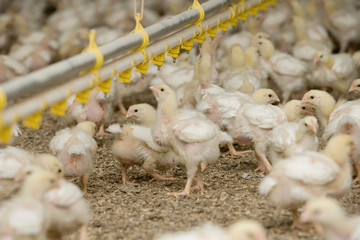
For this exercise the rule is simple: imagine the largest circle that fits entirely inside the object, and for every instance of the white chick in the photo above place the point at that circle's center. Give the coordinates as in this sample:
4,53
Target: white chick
345,119
310,174
335,224
222,108
135,145
247,230
76,148
240,78
252,124
11,68
290,138
25,216
334,70
194,139
287,71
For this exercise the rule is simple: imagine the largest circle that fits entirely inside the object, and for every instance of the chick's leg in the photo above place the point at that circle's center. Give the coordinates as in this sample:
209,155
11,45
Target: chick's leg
200,184
264,165
190,177
297,224
84,233
122,108
124,175
84,182
233,151
357,170
101,131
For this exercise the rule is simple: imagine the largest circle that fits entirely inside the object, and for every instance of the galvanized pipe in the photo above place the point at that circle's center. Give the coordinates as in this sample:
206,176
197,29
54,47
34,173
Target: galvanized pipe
61,71
58,93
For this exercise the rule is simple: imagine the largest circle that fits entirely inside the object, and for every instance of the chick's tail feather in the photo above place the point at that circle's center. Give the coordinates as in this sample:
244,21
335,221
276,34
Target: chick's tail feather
267,185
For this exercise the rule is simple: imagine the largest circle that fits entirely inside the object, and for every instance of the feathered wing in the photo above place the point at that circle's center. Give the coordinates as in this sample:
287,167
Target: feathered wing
81,143
65,195
27,220
58,142
194,130
285,64
11,160
344,65
263,116
283,136
144,134
311,168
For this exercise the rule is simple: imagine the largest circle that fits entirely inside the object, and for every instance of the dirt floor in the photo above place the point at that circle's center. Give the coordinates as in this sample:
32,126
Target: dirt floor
144,211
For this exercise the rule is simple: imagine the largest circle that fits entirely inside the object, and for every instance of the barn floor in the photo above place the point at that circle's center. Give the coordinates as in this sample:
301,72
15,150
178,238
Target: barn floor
144,211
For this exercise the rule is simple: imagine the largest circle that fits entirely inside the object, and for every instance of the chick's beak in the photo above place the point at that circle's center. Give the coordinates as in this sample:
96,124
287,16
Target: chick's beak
130,114
275,99
306,216
354,87
155,90
313,127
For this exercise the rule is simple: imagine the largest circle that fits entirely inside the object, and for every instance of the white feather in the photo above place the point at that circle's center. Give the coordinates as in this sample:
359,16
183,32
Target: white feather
144,134
266,185
114,128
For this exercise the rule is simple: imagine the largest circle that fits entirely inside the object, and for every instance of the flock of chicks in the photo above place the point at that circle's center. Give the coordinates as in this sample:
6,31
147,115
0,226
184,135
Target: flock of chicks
215,98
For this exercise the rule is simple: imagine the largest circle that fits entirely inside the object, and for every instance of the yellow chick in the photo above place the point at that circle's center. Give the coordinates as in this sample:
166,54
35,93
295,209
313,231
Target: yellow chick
310,174
135,145
25,216
295,110
334,222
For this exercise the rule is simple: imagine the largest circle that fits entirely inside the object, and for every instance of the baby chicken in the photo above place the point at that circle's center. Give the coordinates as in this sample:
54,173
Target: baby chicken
75,148
335,224
191,136
135,145
355,86
287,71
295,110
289,138
25,216
310,174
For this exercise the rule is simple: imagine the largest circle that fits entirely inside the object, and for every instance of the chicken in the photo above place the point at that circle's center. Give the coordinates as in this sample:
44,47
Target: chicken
241,230
335,224
75,148
13,159
310,174
240,78
252,124
287,71
323,102
193,138
94,110
135,145
25,216
345,119
11,68
334,70
355,86
68,210
221,108
295,110
290,138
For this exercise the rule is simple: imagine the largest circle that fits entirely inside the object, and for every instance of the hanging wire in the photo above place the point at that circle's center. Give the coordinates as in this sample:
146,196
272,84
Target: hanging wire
141,9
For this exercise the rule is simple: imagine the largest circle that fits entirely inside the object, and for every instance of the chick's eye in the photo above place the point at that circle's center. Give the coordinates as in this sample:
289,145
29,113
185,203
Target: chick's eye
305,124
270,95
162,89
135,110
321,56
28,172
59,171
312,97
303,108
358,85
260,43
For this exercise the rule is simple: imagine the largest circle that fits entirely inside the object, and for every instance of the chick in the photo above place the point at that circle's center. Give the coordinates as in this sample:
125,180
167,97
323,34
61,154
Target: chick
11,68
335,224
355,86
240,78
94,110
323,102
76,148
310,174
334,70
191,136
135,145
68,210
287,71
222,108
247,230
290,138
25,216
252,124
295,110
13,159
